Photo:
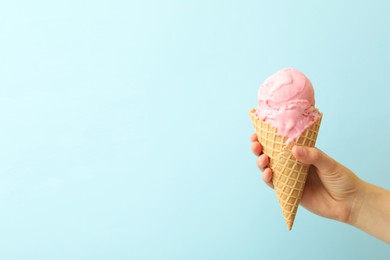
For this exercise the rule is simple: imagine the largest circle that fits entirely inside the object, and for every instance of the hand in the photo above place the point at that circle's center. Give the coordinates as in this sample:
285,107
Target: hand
331,190
335,192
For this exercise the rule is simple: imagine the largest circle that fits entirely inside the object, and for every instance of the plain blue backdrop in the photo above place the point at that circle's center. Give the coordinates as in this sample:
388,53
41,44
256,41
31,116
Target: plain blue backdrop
125,130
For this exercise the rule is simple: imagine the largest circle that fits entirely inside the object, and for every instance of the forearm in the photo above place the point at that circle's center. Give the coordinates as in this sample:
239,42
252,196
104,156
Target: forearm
371,211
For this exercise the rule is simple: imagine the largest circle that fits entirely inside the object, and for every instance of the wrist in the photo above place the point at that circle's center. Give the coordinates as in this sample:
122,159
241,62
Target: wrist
371,211
358,201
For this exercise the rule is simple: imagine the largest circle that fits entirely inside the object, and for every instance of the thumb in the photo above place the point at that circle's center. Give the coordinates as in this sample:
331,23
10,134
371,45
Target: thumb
314,156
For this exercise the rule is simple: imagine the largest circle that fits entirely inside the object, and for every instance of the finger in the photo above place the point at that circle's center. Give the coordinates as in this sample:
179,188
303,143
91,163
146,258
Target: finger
262,162
314,156
257,148
254,138
267,177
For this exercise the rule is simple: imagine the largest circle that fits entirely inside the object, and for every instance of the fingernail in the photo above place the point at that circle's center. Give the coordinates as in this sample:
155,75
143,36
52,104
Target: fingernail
300,151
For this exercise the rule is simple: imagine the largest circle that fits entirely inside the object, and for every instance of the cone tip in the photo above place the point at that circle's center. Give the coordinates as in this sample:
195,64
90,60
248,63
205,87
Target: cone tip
289,226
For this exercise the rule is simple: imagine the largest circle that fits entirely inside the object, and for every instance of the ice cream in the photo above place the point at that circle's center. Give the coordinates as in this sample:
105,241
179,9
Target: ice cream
286,116
286,101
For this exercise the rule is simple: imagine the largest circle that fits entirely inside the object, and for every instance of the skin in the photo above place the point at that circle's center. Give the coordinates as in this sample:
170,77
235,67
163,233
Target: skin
333,191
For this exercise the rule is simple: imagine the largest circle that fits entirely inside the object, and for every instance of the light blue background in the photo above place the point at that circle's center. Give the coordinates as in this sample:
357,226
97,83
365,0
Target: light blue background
125,128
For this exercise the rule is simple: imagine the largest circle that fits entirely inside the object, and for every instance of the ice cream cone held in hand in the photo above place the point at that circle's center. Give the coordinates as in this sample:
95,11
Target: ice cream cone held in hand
286,116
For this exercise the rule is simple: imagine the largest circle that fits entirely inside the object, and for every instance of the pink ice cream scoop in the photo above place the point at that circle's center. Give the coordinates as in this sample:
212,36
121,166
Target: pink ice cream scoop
286,101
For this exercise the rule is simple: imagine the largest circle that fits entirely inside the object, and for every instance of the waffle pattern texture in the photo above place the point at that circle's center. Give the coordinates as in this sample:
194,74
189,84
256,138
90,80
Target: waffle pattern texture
289,175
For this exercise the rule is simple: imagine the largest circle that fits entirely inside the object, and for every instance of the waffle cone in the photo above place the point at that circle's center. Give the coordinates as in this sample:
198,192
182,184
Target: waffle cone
289,175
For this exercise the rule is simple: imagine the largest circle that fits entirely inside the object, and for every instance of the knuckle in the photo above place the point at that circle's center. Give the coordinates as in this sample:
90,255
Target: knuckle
260,163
